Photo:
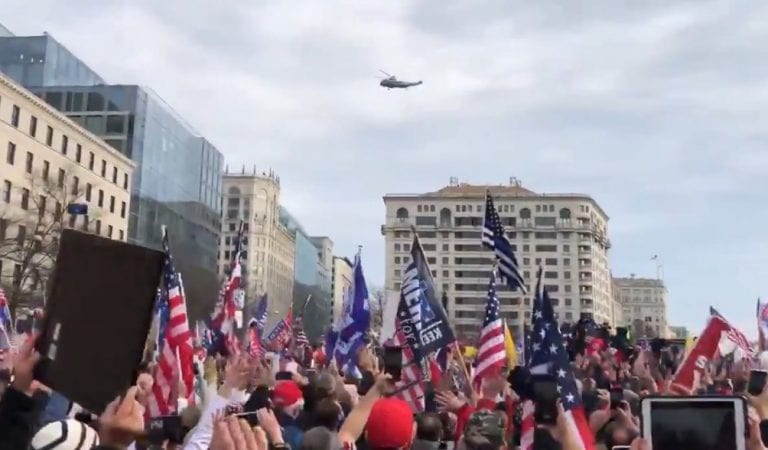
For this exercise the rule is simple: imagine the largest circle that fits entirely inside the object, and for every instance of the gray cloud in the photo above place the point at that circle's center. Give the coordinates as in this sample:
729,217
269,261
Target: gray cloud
655,109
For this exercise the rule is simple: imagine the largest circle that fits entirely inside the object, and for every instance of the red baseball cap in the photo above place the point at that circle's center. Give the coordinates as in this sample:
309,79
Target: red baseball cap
286,393
390,424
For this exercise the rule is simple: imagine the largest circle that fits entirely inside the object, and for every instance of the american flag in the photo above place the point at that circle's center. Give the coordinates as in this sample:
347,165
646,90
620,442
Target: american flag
223,321
411,385
491,356
256,325
495,239
735,335
549,356
175,343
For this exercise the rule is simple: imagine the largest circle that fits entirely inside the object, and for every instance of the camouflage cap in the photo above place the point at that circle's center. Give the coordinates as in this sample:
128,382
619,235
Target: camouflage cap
485,424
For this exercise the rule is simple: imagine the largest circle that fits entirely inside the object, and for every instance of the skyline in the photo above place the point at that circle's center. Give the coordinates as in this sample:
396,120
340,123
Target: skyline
652,110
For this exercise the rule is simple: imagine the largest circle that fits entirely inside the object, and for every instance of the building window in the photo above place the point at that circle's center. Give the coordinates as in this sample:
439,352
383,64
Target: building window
91,160
49,137
125,181
103,168
28,165
3,230
72,220
122,210
101,198
25,198
57,212
122,235
109,231
64,144
112,203
114,174
75,185
15,116
78,153
46,169
98,226
41,206
86,221
7,191
88,189
397,260
397,247
21,235
10,155
32,126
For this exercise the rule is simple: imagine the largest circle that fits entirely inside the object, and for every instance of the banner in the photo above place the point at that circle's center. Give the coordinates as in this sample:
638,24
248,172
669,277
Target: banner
703,351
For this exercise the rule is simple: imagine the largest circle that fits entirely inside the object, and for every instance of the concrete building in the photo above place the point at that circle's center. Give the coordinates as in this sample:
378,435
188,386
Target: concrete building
644,305
324,246
310,278
342,279
678,332
565,233
269,258
43,168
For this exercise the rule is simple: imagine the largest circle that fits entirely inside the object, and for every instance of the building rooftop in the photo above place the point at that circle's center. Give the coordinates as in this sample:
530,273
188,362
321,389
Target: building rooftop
638,281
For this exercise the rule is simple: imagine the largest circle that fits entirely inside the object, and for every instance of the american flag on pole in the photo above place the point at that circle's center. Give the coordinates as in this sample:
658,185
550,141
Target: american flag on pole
733,338
491,354
223,320
175,343
549,356
495,239
256,324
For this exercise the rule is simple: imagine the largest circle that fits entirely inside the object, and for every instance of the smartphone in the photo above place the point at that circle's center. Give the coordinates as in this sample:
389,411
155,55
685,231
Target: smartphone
393,362
283,375
621,447
617,396
756,383
165,428
544,389
694,422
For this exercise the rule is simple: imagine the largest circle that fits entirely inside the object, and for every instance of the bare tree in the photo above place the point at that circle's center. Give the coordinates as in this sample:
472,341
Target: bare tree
38,222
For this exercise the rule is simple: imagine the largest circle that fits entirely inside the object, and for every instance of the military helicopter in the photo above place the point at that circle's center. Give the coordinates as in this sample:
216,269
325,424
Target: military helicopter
392,82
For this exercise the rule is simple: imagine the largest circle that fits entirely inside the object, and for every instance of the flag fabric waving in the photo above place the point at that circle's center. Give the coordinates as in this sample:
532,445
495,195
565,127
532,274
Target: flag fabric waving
5,312
762,322
280,336
495,239
223,319
491,353
257,320
509,347
411,385
549,356
176,353
349,332
733,339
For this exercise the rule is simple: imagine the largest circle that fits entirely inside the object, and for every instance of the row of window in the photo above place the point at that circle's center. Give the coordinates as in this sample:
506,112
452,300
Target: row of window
86,225
41,203
64,147
526,248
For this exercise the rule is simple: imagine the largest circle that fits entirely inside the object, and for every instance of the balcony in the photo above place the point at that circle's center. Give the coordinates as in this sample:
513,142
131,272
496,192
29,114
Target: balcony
586,290
585,250
585,276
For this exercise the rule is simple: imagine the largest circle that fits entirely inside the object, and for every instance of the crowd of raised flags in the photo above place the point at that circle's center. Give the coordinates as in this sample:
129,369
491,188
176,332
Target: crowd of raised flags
421,328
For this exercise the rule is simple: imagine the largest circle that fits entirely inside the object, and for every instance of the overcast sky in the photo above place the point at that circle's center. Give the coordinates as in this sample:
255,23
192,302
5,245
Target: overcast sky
657,110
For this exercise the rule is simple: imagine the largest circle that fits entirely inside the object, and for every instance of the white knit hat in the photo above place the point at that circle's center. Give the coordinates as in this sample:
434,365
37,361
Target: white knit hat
65,435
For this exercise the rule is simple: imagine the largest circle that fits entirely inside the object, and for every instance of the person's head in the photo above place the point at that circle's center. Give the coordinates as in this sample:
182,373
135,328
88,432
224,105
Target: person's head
429,427
328,414
65,435
390,425
288,398
485,430
320,438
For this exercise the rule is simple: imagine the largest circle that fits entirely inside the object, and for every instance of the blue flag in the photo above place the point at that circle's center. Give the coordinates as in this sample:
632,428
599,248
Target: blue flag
256,315
350,332
421,314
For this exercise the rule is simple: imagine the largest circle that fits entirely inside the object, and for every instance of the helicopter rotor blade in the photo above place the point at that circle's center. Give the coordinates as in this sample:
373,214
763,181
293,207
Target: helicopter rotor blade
385,73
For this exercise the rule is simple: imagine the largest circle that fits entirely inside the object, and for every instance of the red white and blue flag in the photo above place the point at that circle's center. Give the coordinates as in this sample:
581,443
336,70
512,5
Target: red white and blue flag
491,354
549,356
174,343
223,319
281,334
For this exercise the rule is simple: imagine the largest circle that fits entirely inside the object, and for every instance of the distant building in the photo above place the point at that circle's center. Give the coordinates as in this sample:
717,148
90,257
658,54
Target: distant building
564,233
269,258
44,159
678,332
644,305
343,278
5,32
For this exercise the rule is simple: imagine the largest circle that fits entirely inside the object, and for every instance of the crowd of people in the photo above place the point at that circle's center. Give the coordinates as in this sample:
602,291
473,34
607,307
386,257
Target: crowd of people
251,404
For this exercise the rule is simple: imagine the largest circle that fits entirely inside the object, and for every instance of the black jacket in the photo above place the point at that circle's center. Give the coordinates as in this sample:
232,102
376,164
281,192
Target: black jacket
19,415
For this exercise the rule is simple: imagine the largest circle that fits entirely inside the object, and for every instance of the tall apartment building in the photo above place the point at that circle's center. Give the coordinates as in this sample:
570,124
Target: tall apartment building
644,305
324,246
177,181
564,233
47,162
342,278
269,258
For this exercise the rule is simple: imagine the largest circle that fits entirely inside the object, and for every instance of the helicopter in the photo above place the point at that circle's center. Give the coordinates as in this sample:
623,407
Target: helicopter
392,82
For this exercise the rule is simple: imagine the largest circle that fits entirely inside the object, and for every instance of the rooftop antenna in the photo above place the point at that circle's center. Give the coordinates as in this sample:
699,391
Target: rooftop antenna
514,181
243,170
454,181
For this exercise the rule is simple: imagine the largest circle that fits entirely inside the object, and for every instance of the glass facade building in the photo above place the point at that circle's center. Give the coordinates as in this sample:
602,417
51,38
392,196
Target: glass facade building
36,61
307,280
